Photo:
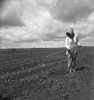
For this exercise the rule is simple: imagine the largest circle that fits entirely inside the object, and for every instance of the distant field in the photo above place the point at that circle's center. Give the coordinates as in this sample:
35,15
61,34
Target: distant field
23,77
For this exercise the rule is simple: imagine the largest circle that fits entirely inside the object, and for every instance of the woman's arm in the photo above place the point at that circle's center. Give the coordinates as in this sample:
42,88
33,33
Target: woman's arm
77,41
79,44
67,43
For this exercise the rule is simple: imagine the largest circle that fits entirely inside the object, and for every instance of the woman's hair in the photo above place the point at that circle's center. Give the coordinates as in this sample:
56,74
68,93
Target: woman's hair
70,35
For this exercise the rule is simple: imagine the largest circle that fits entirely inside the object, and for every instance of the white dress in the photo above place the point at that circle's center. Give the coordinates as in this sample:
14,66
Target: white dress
72,44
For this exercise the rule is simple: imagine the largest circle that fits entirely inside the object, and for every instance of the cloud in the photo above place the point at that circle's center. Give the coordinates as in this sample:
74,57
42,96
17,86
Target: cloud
10,13
40,23
1,2
1,40
52,38
71,10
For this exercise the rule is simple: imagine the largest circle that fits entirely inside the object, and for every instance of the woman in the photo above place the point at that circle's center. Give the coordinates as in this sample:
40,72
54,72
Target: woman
71,44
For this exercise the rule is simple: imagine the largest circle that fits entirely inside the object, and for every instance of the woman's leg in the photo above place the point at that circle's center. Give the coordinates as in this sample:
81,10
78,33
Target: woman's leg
74,58
70,60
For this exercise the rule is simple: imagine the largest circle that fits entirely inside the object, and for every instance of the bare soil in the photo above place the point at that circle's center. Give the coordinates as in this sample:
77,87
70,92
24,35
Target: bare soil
24,77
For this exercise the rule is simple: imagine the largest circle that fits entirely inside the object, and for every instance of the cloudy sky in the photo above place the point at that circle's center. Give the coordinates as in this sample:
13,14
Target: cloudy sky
43,23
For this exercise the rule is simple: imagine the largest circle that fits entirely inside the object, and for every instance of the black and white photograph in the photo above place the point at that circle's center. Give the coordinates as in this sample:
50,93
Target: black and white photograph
46,49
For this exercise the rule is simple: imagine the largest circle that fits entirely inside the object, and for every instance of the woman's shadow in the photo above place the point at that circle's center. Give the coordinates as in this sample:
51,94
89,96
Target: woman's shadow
82,68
